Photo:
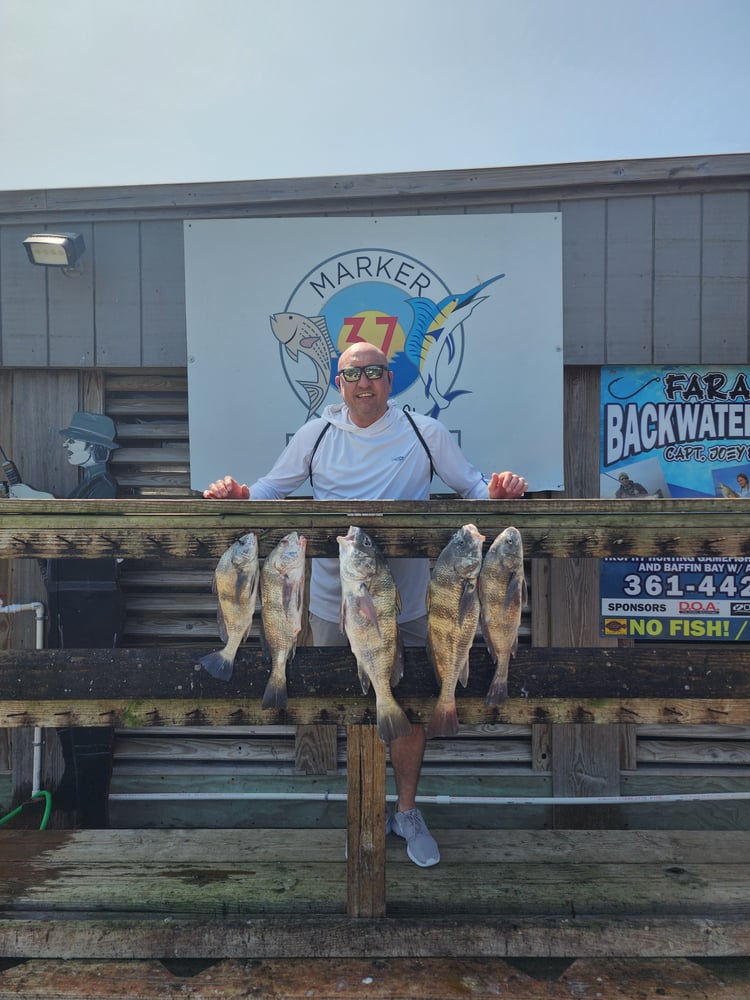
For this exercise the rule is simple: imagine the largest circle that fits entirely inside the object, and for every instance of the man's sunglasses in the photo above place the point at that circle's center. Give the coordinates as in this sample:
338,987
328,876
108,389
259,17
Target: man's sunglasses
373,372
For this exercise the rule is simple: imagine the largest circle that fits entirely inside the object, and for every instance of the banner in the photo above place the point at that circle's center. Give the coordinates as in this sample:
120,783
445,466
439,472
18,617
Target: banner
675,431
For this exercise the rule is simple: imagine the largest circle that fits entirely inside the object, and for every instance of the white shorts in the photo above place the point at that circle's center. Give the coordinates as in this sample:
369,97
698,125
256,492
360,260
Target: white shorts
413,633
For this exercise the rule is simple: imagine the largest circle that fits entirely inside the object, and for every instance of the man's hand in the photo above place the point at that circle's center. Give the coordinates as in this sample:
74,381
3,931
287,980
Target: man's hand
227,489
506,486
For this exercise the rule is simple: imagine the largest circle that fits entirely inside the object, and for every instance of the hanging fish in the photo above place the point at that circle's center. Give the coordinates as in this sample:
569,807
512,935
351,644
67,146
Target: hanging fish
452,617
502,594
370,605
236,584
282,588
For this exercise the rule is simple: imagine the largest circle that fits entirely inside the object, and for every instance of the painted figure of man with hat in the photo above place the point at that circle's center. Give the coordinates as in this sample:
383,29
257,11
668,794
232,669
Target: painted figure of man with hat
85,610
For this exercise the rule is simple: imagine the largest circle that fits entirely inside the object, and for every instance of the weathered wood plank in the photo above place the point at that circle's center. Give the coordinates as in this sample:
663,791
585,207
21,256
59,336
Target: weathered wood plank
467,847
586,763
587,674
503,937
312,711
509,937
213,886
365,820
194,528
369,979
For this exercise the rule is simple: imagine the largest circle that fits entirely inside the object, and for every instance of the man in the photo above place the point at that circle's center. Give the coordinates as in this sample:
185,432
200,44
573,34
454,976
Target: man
629,489
366,448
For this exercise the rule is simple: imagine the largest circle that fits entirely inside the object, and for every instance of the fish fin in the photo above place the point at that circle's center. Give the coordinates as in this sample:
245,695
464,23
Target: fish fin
511,590
364,680
498,690
467,601
320,322
398,661
392,721
221,622
315,394
444,721
366,607
218,664
275,695
463,677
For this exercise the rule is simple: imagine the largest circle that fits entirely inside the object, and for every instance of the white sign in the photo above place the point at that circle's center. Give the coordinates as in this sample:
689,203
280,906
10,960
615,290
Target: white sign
468,309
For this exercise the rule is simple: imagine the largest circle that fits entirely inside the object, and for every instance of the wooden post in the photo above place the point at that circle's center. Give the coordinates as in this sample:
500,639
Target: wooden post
365,822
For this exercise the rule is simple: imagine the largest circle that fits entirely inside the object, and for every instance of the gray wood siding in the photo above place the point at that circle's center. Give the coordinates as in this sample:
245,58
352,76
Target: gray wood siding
655,256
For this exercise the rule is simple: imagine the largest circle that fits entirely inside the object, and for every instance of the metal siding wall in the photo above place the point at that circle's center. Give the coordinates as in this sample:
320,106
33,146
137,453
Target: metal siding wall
650,274
23,302
724,313
584,234
677,279
117,306
71,309
629,281
164,333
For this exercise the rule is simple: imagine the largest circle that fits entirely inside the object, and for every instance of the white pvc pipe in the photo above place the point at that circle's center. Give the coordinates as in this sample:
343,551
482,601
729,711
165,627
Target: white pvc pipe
489,800
39,611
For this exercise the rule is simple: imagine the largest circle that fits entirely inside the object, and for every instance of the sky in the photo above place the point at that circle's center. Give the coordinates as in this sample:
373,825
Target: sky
116,92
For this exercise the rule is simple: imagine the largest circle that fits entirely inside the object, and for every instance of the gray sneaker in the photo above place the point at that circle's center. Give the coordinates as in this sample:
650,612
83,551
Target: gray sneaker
421,846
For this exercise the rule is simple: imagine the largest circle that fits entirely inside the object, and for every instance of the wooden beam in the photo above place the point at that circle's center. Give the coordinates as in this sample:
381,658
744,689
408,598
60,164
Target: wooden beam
147,529
365,787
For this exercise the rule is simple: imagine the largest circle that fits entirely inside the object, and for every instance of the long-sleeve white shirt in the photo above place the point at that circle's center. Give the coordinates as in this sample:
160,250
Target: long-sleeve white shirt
384,461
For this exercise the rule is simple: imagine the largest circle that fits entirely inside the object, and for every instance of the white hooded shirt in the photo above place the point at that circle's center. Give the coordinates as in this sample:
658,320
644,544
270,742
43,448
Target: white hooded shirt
385,461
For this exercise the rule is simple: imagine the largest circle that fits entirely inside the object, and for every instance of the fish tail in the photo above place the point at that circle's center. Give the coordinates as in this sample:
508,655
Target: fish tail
444,721
392,721
218,664
275,695
498,690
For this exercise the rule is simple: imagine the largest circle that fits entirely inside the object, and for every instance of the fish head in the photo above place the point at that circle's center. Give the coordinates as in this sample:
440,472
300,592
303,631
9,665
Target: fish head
289,553
285,326
244,550
464,551
507,547
358,554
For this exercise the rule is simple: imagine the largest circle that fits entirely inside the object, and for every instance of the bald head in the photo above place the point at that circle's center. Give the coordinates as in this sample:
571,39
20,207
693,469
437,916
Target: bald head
362,354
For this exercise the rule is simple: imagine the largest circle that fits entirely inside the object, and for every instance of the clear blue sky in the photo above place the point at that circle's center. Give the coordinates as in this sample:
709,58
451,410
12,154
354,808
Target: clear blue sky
100,92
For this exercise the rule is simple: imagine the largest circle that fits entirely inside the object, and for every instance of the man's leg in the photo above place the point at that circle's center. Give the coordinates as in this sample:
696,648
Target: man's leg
406,760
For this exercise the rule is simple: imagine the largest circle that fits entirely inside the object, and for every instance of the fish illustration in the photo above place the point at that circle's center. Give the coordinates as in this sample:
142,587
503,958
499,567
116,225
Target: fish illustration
236,584
502,594
431,340
282,586
452,618
309,336
370,605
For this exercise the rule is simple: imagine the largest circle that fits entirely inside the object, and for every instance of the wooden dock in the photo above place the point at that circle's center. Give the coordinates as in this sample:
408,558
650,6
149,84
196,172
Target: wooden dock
343,912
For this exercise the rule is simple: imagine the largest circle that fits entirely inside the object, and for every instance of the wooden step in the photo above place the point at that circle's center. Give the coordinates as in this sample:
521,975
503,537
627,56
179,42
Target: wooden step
261,893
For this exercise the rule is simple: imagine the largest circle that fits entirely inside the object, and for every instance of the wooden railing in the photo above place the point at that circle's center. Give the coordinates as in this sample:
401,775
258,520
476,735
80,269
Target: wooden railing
156,687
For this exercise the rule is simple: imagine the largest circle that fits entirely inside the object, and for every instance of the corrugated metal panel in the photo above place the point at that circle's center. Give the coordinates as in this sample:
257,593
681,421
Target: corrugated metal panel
655,256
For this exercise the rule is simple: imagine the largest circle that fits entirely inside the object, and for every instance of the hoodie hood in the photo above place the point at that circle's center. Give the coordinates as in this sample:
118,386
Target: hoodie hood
338,415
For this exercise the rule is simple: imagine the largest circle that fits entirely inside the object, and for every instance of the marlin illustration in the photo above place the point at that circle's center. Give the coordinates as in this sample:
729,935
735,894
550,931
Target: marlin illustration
307,335
431,339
